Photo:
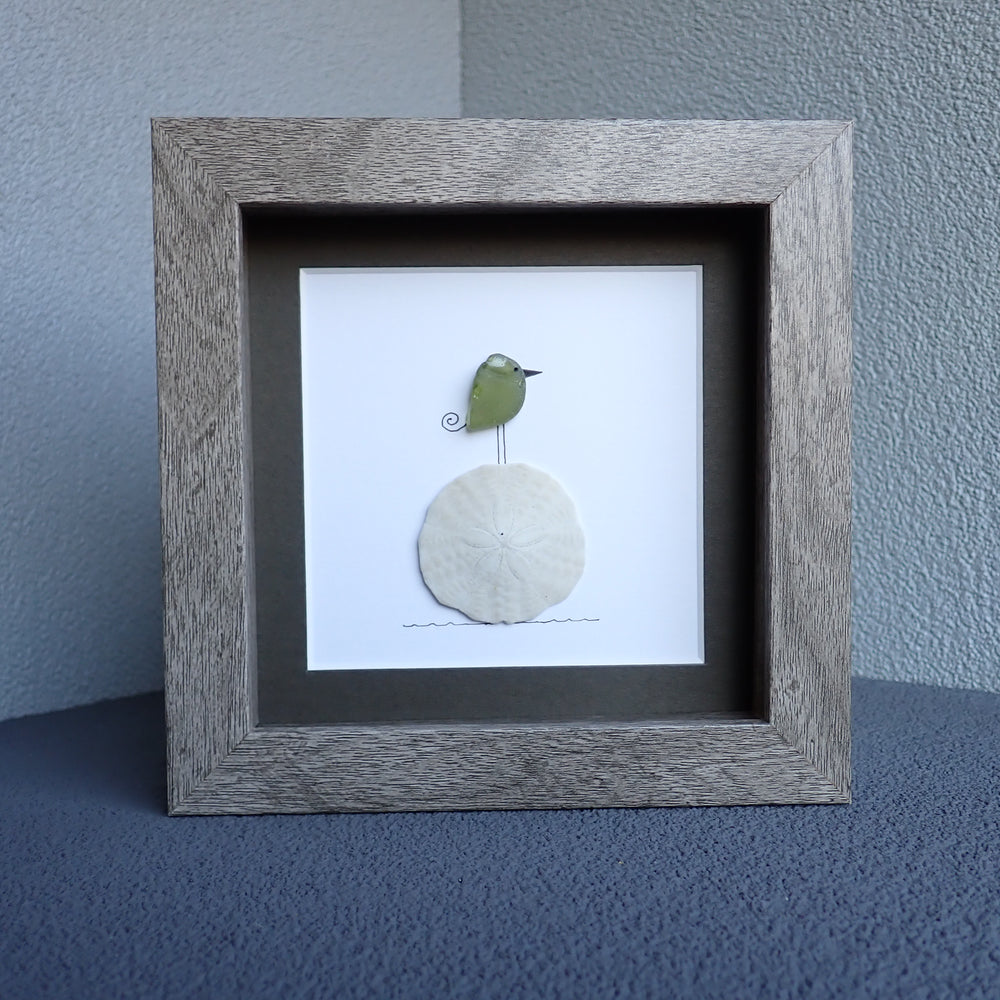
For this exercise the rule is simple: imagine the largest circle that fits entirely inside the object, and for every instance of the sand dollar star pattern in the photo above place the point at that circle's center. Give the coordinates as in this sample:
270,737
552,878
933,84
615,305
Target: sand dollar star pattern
501,543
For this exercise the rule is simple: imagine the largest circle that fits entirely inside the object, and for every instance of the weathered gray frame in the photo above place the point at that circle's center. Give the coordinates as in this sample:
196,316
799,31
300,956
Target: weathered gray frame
219,760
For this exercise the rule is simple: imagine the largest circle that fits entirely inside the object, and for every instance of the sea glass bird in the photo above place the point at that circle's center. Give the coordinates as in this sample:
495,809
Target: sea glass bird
497,392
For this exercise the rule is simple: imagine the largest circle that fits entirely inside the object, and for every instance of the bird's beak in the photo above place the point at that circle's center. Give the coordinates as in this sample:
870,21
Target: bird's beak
528,373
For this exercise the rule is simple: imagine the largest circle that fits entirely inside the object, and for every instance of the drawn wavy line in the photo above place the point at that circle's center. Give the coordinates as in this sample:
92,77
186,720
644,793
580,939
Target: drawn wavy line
546,621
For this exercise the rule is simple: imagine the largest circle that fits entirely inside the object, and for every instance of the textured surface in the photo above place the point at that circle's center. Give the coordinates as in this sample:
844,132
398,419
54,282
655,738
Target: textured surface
79,544
897,895
205,168
491,163
807,443
920,80
501,543
204,473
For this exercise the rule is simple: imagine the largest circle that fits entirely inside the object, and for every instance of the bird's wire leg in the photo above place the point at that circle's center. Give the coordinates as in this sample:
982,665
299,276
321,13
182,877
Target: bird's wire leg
498,445
504,430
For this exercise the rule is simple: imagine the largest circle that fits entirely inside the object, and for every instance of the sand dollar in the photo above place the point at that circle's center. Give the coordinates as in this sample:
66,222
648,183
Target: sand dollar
501,543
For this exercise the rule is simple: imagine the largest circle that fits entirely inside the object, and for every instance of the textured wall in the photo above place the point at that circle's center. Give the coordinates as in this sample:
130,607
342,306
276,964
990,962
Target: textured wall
79,501
921,80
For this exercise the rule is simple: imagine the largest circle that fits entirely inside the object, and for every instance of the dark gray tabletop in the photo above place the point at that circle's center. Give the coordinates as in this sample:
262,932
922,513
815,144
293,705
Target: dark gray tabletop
102,895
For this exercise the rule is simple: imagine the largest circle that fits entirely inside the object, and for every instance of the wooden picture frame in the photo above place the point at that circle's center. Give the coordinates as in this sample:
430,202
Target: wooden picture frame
794,747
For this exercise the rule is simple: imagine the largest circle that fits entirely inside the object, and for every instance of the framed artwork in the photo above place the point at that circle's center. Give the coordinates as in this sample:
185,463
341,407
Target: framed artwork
504,464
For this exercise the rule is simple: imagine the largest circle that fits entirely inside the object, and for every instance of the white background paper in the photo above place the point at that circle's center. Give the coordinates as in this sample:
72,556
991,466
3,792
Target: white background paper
615,417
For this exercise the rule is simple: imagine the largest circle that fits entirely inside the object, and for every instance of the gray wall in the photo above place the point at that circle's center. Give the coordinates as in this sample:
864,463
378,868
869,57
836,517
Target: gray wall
79,531
920,79
79,501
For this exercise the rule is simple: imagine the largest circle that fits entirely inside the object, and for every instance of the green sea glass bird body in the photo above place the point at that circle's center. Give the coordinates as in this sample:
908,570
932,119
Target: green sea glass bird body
497,392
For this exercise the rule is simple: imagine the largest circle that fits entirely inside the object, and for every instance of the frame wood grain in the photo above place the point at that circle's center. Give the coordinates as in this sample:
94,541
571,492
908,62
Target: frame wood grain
207,171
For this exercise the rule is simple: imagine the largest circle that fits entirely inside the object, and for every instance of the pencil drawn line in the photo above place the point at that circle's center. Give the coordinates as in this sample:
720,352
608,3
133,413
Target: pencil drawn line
545,621
549,621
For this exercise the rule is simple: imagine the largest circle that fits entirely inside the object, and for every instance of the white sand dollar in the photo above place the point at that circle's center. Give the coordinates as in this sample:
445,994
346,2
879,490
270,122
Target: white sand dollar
501,543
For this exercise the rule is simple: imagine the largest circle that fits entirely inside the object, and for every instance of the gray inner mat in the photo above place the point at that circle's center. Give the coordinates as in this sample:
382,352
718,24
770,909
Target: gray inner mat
730,244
